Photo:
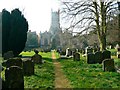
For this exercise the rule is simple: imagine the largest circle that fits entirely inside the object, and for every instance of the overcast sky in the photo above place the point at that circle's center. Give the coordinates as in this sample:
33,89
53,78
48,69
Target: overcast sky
37,12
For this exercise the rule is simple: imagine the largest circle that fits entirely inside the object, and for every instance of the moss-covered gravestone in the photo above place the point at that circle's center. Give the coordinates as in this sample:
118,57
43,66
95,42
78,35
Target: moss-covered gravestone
90,58
28,67
76,57
108,65
14,78
106,54
98,57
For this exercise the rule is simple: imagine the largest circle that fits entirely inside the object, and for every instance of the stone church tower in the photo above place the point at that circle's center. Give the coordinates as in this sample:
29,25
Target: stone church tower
51,39
55,22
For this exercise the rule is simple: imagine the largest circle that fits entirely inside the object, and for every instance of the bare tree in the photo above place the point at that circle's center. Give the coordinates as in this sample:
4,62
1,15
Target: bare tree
87,15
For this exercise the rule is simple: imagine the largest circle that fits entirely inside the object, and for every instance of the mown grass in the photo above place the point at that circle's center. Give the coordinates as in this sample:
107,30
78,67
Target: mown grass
83,75
44,74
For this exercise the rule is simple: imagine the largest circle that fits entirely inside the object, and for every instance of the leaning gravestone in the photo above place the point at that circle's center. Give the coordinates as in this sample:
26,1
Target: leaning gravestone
14,77
28,67
108,65
98,57
14,62
8,55
90,58
76,57
106,54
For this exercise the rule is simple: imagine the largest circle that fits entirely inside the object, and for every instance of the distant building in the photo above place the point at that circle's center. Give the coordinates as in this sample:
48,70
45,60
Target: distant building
51,39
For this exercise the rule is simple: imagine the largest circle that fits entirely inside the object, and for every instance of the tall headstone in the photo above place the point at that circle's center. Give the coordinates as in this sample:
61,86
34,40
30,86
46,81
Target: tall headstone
90,58
98,57
28,67
14,77
108,65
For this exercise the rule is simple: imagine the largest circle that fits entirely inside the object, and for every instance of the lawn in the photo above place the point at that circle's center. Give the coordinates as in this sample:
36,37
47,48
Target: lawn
83,75
44,74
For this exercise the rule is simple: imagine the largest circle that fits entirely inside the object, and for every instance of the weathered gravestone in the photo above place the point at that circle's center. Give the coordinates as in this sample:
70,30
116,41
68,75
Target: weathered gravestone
14,77
108,65
98,57
68,52
76,56
8,55
90,58
28,67
14,62
106,54
37,59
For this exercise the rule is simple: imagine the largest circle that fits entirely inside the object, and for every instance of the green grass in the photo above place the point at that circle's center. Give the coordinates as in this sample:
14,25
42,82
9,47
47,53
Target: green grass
83,75
44,74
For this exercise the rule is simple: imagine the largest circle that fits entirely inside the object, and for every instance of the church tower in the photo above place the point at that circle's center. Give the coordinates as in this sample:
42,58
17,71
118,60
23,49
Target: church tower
55,22
55,29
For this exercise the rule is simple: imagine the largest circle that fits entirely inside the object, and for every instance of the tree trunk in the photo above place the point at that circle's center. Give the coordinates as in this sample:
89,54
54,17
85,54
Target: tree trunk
102,43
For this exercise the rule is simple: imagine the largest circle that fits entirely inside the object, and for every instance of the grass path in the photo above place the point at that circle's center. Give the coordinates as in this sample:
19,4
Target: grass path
60,80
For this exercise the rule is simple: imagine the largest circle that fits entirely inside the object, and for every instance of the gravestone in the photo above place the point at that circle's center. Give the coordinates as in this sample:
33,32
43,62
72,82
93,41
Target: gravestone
37,59
68,52
8,55
14,77
14,62
118,52
28,67
108,65
88,50
76,56
90,58
106,54
98,57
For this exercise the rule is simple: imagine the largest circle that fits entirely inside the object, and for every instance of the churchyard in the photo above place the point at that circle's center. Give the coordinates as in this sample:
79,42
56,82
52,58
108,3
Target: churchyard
79,72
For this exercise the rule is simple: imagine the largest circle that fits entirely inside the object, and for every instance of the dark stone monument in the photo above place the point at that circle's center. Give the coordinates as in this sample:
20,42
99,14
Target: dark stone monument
106,54
14,77
28,67
14,62
108,65
98,57
76,57
90,58
37,58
